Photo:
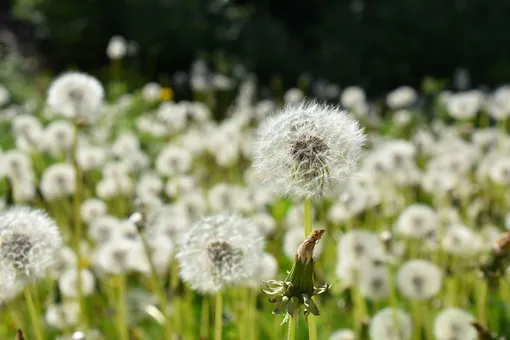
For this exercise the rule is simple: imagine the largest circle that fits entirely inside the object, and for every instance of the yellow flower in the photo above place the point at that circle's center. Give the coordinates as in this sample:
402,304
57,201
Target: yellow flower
166,94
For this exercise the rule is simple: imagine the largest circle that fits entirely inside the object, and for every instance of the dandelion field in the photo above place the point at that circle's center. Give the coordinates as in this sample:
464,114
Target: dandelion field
136,216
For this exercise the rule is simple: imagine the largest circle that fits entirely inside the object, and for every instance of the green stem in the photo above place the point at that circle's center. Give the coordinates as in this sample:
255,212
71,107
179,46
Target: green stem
34,315
158,286
312,327
204,318
312,324
292,328
308,216
122,312
77,222
218,316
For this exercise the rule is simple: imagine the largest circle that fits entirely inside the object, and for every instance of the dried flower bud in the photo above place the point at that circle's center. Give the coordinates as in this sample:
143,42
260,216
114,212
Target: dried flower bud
502,244
297,289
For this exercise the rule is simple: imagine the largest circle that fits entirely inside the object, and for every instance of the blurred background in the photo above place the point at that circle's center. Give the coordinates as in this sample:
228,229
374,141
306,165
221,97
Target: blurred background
377,45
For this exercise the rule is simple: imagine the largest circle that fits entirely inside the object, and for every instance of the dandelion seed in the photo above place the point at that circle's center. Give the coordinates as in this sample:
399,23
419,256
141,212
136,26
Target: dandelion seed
219,250
383,325
29,242
417,221
68,286
419,279
76,95
454,324
307,149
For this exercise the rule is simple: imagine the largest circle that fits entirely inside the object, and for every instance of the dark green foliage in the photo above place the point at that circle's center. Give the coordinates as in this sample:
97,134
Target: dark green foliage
376,44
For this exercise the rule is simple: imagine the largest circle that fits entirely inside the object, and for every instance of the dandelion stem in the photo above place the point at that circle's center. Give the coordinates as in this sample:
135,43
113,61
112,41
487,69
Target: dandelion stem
292,328
204,318
34,315
312,327
218,317
157,285
312,324
77,221
308,216
122,312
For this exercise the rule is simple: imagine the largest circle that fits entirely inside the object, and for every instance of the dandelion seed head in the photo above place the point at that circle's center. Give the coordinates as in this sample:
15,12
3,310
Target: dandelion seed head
383,325
76,95
454,324
219,250
416,221
419,279
58,181
307,149
29,242
68,283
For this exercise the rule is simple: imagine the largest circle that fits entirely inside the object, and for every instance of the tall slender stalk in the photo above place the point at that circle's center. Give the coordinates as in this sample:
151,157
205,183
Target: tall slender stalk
158,286
292,328
312,324
34,314
77,222
218,316
121,308
204,318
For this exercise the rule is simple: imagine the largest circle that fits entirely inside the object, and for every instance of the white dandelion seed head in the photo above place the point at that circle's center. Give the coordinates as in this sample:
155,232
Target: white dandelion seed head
57,181
401,97
76,95
65,259
267,269
117,256
16,165
500,171
104,229
293,95
125,144
351,202
219,250
58,138
151,92
93,208
28,130
419,279
359,245
374,282
117,47
173,160
383,325
464,105
265,223
110,187
149,184
68,282
180,185
461,241
294,237
24,190
162,251
352,97
91,157
169,221
192,205
417,221
307,149
29,242
343,334
63,315
454,324
222,197
402,117
5,95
